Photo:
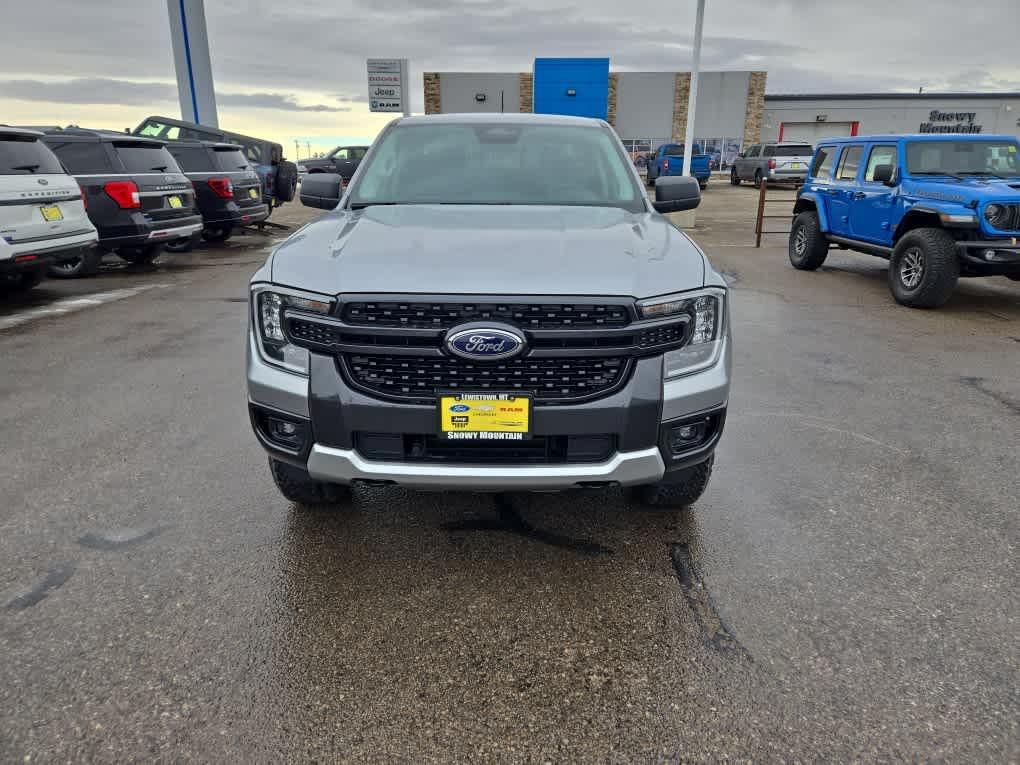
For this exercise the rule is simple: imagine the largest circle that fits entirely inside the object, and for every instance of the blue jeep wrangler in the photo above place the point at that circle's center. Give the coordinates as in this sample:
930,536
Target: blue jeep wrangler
938,207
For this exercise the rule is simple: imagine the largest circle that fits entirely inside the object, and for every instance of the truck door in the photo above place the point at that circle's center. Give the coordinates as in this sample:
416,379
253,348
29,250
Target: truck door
871,212
840,193
342,161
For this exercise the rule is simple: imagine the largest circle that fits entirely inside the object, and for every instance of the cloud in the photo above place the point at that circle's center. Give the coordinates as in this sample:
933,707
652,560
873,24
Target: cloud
101,90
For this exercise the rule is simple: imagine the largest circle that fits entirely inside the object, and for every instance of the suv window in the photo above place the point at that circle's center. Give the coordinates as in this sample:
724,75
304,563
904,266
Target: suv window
822,166
192,159
145,157
803,150
753,151
768,151
26,155
230,160
82,156
358,154
879,155
253,153
849,163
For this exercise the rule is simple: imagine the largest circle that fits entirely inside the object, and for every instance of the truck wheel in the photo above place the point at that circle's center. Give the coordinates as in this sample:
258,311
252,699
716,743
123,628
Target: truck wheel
703,185
145,253
678,489
24,281
808,246
217,233
734,178
296,485
182,245
286,181
924,268
83,265
757,179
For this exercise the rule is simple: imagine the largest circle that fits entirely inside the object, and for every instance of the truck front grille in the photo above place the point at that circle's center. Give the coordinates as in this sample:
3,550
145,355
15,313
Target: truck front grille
423,377
430,315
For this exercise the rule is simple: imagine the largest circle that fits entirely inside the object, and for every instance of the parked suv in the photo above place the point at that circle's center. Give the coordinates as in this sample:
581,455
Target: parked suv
42,211
343,160
137,197
227,188
937,206
494,304
776,161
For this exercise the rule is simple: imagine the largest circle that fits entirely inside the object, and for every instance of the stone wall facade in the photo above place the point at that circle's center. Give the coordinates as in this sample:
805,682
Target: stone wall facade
754,115
681,92
527,99
433,93
614,82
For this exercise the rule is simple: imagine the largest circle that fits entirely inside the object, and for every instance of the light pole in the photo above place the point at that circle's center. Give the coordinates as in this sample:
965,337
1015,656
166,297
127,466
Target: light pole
692,97
297,150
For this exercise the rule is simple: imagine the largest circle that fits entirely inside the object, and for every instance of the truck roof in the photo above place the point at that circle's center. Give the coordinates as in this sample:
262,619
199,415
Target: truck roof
474,118
916,137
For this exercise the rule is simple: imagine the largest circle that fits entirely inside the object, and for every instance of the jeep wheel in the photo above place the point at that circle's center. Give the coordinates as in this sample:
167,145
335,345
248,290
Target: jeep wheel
924,268
734,178
757,179
83,265
217,233
145,253
296,485
678,489
703,185
808,246
286,181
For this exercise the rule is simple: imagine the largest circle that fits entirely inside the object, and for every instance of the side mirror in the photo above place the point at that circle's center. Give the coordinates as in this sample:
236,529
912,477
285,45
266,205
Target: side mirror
885,174
676,193
322,190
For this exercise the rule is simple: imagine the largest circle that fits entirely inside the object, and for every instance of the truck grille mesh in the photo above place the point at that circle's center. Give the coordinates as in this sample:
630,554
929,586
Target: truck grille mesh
428,315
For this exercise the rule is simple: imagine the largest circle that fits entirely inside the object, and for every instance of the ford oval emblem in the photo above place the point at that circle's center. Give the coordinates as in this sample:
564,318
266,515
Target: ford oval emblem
43,182
485,343
459,408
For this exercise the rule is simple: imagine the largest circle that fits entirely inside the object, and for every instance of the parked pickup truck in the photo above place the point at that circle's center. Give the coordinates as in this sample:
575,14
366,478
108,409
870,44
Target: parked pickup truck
343,161
668,160
938,207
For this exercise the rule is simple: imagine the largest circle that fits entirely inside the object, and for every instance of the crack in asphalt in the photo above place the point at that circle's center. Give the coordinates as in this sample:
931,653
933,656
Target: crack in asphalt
509,520
978,384
718,635
114,539
55,577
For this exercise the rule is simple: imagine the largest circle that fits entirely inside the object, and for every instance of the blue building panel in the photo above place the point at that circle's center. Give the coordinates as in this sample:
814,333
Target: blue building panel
574,86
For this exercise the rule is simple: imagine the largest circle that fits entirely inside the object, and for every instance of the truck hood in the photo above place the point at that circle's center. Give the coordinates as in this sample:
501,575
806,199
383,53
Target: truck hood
976,190
490,249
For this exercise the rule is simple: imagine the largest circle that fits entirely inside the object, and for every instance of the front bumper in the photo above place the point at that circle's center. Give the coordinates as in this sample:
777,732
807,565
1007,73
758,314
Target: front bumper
638,416
990,257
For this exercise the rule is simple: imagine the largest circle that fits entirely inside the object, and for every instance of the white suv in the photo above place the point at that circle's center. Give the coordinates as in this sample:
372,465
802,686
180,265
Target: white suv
42,210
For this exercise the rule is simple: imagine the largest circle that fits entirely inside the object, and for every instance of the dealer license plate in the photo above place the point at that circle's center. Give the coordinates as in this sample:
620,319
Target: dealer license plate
175,202
485,416
51,213
797,165
253,193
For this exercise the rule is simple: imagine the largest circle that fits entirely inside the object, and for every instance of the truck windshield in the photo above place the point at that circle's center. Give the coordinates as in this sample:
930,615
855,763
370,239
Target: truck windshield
498,163
967,157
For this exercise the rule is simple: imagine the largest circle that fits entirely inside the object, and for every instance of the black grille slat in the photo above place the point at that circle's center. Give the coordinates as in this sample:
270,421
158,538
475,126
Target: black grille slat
429,315
423,377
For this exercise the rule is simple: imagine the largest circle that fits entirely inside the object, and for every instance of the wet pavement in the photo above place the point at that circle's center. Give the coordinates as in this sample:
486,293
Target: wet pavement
845,590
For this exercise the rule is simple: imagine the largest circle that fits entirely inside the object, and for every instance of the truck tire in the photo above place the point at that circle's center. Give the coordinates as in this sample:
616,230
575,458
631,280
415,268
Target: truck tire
808,246
296,485
83,265
145,253
757,179
679,489
703,185
924,268
23,281
734,178
286,181
217,233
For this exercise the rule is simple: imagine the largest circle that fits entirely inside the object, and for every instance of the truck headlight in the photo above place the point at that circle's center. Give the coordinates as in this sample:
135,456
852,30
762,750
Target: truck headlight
268,305
707,310
997,215
302,169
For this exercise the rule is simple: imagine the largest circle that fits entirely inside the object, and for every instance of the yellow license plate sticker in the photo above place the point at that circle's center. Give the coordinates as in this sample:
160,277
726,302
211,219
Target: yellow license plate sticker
253,193
175,202
51,213
485,416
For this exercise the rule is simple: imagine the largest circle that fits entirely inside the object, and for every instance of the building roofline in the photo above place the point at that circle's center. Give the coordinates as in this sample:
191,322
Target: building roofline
886,96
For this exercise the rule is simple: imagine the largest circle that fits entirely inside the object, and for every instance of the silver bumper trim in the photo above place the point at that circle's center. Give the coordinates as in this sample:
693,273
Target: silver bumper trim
178,231
326,463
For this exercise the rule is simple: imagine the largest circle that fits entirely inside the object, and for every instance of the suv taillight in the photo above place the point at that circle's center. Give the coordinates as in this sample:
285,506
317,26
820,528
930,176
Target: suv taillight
84,199
772,164
124,193
221,187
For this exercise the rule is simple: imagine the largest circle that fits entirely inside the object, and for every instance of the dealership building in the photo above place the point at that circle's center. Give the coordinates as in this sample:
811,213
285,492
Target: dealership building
733,110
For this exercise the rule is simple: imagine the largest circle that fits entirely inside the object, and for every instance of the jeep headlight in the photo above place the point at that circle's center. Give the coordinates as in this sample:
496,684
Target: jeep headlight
997,216
268,305
707,311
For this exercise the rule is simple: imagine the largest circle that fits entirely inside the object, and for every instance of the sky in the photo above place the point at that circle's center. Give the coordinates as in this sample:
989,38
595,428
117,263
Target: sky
296,69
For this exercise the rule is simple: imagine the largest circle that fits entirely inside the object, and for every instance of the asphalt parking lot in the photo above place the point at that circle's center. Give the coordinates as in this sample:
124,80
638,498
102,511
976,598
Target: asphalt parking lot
845,590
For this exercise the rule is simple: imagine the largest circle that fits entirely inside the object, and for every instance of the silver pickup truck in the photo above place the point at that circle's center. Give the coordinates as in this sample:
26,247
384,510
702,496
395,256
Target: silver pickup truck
494,304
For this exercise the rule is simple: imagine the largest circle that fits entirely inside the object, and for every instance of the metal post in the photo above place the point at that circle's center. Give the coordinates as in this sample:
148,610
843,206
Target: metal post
405,90
760,221
692,97
297,150
191,61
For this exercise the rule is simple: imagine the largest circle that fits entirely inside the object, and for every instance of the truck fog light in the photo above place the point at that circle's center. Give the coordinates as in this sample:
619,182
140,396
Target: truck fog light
285,433
684,437
989,254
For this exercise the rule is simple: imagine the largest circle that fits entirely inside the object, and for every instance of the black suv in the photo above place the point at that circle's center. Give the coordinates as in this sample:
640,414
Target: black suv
227,188
137,197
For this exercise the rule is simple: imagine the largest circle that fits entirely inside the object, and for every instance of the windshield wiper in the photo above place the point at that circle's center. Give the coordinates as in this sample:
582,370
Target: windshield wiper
30,168
363,205
161,168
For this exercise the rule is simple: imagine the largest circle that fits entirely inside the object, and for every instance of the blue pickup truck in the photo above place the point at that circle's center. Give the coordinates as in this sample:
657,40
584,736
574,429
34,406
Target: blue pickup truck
938,207
668,159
